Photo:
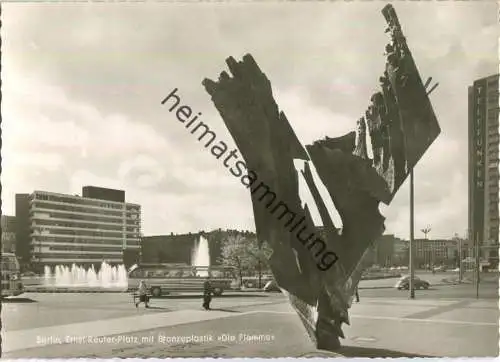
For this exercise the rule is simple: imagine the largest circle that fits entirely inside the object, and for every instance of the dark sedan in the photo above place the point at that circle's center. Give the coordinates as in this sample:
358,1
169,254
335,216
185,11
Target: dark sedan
404,283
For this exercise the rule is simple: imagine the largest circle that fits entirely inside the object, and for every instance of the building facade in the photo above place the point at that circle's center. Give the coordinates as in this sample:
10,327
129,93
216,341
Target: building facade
388,251
64,229
401,255
8,224
173,248
179,248
429,252
483,166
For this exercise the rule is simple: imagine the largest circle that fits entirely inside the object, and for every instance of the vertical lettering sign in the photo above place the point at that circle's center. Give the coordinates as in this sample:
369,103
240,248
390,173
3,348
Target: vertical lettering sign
479,157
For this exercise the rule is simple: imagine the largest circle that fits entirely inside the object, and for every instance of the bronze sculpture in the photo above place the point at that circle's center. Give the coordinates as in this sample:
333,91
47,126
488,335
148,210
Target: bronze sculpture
402,125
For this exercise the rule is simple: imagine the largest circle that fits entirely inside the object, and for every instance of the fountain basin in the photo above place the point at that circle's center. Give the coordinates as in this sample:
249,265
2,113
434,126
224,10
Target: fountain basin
74,289
63,278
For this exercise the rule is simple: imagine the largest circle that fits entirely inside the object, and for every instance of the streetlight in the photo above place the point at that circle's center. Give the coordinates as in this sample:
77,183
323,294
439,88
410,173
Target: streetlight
426,231
477,265
458,239
411,254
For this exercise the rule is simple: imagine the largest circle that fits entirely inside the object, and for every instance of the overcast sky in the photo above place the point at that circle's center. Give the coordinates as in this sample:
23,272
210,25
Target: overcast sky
82,85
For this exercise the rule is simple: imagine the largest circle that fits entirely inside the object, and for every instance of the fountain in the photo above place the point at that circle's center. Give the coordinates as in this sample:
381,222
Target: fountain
201,256
77,277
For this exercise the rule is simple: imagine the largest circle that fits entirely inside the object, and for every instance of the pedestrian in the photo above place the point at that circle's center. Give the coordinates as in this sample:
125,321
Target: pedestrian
207,294
357,294
143,294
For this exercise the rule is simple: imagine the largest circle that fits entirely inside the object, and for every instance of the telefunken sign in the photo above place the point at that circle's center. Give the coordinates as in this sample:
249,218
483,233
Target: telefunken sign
479,164
479,123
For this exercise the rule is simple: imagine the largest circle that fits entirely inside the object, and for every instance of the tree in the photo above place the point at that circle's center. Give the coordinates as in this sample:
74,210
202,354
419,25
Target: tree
245,253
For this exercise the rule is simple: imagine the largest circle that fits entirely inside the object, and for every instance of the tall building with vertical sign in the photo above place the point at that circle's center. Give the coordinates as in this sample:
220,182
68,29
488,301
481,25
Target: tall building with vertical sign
483,165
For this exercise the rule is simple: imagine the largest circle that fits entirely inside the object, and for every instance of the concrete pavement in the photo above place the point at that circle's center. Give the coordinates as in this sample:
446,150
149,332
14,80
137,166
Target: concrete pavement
451,328
36,310
379,328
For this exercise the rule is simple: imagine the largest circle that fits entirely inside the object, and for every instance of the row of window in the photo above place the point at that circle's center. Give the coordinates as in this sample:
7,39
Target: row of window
107,234
436,250
432,244
80,209
49,219
82,241
97,257
116,227
493,113
86,201
493,138
7,266
84,248
179,273
45,217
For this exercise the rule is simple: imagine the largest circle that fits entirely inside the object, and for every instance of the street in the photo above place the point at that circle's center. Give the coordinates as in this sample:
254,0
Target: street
442,321
442,285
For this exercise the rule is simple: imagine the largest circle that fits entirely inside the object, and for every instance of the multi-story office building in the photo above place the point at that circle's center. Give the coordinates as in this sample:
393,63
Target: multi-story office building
483,166
57,228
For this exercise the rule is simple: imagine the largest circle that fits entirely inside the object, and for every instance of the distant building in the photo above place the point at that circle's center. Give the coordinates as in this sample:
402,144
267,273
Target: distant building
173,248
55,228
382,251
483,165
179,248
401,256
8,224
436,252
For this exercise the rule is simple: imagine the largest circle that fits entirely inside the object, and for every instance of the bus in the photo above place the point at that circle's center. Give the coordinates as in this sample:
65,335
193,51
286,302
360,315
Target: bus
11,277
165,278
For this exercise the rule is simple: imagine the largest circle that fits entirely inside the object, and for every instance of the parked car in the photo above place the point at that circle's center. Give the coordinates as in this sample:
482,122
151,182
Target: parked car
253,282
271,286
440,268
29,274
404,283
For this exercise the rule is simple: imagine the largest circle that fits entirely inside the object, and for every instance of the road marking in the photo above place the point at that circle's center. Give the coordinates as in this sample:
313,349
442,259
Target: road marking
442,321
268,311
399,319
364,339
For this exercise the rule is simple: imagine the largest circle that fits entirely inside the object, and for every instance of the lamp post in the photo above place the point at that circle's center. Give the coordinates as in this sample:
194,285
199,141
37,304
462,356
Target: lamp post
412,242
458,239
477,265
426,231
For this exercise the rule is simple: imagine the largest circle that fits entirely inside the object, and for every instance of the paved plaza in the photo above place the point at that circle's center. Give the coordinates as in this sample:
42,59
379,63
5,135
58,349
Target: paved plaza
241,325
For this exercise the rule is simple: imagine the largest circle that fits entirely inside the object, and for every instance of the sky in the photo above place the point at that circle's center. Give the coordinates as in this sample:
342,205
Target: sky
82,85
